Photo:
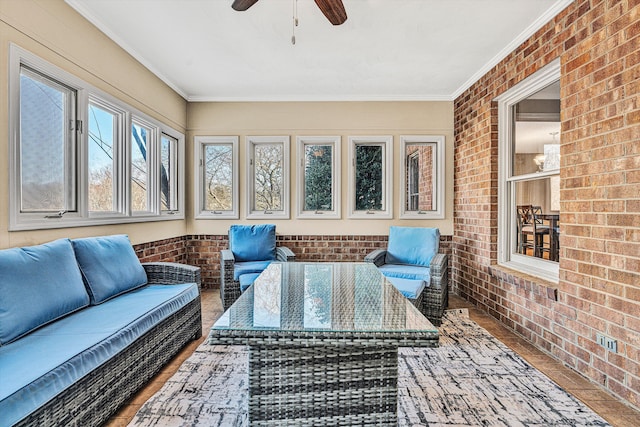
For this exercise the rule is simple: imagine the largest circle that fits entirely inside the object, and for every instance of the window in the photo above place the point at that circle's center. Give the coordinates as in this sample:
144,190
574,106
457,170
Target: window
268,177
105,126
72,162
529,171
48,140
370,179
422,174
140,160
169,158
319,177
217,180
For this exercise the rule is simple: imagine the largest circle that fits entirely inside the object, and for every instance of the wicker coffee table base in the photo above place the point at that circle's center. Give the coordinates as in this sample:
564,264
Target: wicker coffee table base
323,385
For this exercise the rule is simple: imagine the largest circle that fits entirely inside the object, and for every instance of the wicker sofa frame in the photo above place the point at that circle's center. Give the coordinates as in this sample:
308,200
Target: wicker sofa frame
230,288
434,299
99,395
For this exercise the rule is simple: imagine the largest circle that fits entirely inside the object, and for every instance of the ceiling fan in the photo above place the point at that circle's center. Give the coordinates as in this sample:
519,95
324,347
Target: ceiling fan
332,9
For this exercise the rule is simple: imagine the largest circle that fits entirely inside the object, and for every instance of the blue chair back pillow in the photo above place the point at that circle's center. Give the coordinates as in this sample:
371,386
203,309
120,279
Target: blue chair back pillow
253,242
412,245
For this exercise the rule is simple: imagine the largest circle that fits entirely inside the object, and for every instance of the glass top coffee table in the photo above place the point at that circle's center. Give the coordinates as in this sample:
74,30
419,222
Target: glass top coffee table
323,343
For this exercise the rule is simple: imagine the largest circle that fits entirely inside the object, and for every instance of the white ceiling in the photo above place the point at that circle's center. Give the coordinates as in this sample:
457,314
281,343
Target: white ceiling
386,50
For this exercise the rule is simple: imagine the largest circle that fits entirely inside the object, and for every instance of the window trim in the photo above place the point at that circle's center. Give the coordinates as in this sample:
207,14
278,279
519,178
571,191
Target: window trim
84,93
387,172
507,255
251,143
334,142
438,176
200,143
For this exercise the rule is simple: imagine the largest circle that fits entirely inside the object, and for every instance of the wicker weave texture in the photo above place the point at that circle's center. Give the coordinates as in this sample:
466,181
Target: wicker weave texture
98,395
323,385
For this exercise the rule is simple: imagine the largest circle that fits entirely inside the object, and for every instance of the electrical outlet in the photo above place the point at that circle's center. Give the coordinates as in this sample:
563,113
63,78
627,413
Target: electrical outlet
611,344
607,342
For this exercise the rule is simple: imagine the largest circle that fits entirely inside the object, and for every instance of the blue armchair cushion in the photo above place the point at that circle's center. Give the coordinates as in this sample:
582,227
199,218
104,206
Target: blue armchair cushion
109,266
247,280
240,268
406,271
412,245
410,288
38,284
253,242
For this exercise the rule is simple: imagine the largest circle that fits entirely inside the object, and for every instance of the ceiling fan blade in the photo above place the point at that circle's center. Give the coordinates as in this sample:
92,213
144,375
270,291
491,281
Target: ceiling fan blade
333,10
242,5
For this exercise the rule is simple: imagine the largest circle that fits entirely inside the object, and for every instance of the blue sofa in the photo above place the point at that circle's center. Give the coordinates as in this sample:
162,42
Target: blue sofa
413,264
84,325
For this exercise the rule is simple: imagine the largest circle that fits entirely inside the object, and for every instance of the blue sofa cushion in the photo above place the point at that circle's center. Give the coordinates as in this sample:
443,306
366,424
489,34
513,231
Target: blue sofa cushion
240,268
41,365
412,245
253,242
109,265
38,284
406,271
410,288
247,280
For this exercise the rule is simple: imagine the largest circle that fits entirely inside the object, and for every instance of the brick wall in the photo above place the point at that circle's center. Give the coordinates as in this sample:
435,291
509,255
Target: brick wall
599,288
204,250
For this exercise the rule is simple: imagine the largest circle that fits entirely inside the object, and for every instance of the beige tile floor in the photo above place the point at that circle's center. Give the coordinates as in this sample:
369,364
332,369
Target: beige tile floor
611,409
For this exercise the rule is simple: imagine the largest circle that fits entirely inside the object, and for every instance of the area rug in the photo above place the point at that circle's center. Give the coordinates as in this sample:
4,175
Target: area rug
472,379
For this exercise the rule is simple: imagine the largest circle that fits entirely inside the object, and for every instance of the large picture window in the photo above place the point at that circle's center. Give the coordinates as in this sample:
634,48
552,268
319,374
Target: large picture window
217,181
529,174
81,157
318,177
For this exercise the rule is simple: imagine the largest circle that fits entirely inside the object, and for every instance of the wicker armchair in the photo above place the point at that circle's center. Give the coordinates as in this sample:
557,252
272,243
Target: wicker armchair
251,250
412,263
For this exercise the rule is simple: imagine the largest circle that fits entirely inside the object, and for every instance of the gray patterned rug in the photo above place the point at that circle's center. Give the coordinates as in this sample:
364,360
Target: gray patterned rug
472,379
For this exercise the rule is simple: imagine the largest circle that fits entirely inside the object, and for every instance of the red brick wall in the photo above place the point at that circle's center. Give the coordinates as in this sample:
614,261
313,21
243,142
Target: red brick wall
204,250
599,289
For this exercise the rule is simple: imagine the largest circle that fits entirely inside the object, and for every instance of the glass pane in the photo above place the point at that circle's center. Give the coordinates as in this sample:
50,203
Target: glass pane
421,178
318,178
369,177
102,128
537,223
318,285
46,159
269,181
218,177
168,173
139,167
536,132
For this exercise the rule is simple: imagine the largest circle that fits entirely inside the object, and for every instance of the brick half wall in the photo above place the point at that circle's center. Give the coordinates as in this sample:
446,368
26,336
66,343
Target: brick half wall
204,250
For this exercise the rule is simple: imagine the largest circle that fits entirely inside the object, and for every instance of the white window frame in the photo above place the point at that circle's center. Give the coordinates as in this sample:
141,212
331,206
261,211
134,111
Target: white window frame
200,144
438,175
386,142
84,93
507,246
119,173
251,143
334,142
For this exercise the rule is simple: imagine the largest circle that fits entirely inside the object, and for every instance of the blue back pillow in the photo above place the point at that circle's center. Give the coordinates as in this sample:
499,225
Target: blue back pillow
412,245
38,284
253,242
109,266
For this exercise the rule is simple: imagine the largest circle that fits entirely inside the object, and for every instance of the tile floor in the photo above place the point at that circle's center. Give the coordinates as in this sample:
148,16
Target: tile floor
612,410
